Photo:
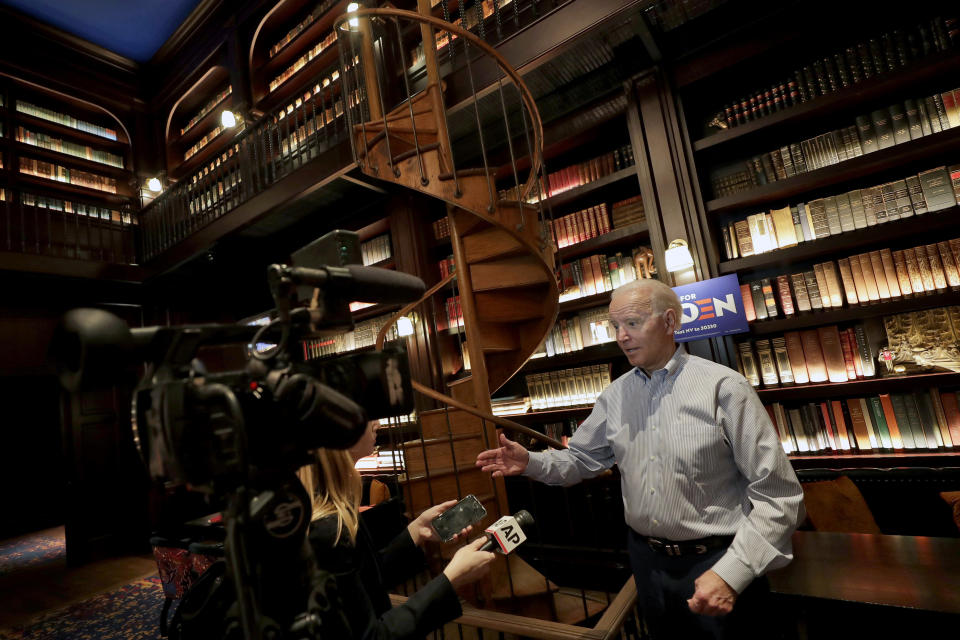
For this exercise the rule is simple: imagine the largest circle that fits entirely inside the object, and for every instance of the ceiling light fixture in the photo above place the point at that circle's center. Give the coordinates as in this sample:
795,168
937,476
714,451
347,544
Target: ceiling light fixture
154,185
227,119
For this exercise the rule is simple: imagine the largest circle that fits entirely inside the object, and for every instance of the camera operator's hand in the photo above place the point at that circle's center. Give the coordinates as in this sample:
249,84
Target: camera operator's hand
468,564
421,531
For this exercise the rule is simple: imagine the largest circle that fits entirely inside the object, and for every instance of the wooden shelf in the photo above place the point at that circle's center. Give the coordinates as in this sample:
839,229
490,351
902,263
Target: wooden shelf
75,134
67,188
578,192
839,173
550,415
635,231
201,126
932,67
835,316
587,302
376,310
592,354
905,458
288,52
24,149
889,232
212,148
293,85
857,387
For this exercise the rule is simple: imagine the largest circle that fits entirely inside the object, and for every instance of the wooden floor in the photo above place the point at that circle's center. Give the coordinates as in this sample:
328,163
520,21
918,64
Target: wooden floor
29,592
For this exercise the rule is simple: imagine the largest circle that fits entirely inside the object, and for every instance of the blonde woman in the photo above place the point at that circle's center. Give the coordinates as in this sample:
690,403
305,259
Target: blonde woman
344,546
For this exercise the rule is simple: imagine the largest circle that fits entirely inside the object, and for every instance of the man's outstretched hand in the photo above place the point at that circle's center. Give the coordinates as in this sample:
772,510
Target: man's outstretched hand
713,596
509,460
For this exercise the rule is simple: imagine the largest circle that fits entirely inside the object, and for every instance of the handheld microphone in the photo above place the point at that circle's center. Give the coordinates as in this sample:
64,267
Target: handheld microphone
506,534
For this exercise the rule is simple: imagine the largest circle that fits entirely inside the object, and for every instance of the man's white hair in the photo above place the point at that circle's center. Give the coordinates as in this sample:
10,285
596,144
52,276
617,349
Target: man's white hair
661,297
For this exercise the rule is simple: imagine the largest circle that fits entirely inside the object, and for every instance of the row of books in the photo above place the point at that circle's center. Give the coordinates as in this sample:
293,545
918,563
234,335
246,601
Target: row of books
321,9
441,228
568,387
44,141
864,279
581,225
381,460
887,422
207,108
376,249
509,405
208,138
56,172
208,187
299,137
467,18
575,333
452,314
77,208
328,41
598,273
63,119
890,51
447,266
628,211
561,431
929,191
577,175
364,334
880,129
810,356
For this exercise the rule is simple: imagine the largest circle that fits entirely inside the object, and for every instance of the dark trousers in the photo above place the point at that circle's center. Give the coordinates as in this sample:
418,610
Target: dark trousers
665,583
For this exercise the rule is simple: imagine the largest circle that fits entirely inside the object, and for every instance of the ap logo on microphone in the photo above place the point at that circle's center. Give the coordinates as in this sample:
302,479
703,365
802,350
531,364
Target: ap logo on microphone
507,532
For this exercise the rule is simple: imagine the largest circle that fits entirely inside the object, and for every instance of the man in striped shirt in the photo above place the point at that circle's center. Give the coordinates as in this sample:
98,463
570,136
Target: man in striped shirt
710,499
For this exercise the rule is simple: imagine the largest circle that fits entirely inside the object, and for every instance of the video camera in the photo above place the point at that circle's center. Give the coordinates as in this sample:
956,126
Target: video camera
242,434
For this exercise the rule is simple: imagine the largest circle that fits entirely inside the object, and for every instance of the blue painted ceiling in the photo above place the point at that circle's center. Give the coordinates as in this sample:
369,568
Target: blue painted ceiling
135,29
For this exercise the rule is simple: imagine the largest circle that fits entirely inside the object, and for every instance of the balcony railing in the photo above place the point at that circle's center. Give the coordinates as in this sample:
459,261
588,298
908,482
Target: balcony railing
257,158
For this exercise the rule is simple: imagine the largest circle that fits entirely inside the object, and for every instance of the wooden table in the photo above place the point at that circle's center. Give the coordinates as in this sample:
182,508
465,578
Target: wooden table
897,571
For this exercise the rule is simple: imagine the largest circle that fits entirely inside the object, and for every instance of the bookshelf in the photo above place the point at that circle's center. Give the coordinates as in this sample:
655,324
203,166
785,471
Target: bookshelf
293,43
195,132
744,67
67,176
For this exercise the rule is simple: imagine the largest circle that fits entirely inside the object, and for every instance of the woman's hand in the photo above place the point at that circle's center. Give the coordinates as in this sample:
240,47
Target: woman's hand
468,564
421,531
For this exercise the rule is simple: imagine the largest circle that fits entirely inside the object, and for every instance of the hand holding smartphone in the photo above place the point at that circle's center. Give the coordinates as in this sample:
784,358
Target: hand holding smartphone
455,519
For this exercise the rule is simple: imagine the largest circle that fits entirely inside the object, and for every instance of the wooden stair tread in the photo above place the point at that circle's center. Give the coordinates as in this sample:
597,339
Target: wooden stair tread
490,243
467,173
507,273
497,337
462,380
419,442
400,157
508,305
522,581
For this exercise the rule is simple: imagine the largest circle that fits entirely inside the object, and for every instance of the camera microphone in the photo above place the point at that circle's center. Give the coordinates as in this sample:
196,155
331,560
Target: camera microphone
506,534
364,284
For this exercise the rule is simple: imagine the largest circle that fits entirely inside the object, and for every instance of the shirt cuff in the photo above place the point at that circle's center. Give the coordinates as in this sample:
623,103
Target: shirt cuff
733,571
535,465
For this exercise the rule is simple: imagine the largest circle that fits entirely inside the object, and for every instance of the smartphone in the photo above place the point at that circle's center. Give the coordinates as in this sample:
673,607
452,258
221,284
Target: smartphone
452,521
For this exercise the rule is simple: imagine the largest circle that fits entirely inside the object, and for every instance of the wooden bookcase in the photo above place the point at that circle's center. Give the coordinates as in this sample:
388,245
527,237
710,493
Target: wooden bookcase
293,44
745,67
195,133
588,172
67,177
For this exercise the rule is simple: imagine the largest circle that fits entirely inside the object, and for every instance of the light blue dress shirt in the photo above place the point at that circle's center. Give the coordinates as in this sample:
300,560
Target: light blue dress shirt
698,456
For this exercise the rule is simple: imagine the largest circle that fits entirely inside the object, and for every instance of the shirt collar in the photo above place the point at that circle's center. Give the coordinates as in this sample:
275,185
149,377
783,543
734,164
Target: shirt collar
670,369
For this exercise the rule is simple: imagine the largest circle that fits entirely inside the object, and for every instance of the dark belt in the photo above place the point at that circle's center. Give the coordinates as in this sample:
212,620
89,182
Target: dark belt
686,547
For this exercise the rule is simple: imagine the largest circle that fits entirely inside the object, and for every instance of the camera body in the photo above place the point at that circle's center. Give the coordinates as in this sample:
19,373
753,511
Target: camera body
242,434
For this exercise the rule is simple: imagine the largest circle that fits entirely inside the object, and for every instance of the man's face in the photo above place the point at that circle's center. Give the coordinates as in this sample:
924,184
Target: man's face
642,335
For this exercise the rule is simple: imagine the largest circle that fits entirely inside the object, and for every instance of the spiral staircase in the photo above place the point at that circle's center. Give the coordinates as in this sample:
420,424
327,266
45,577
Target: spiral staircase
505,268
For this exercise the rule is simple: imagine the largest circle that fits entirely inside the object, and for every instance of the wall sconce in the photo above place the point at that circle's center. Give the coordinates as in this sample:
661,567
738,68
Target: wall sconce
154,185
353,24
677,256
227,119
404,326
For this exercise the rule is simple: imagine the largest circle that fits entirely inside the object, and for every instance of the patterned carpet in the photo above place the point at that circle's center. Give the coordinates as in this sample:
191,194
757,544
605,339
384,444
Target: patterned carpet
32,551
128,613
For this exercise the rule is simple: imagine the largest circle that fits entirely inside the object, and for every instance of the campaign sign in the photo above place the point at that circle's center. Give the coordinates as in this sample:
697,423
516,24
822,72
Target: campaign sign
711,308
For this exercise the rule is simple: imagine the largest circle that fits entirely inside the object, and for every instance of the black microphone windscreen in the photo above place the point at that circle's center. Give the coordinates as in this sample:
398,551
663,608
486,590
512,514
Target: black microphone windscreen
524,519
373,284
